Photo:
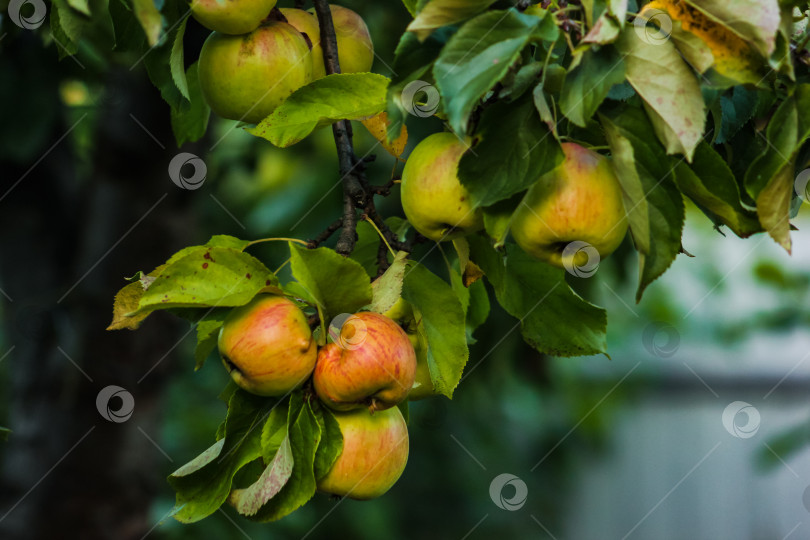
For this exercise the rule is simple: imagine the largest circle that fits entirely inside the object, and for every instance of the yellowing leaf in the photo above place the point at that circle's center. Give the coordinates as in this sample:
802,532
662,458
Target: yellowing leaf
733,57
669,88
378,127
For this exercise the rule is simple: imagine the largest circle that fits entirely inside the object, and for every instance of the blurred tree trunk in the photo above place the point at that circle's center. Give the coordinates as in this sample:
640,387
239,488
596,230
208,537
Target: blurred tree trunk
66,471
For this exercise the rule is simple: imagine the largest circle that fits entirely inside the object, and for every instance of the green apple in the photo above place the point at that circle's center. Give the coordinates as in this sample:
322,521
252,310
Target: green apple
371,364
375,452
355,48
267,346
435,202
579,201
231,16
307,23
246,77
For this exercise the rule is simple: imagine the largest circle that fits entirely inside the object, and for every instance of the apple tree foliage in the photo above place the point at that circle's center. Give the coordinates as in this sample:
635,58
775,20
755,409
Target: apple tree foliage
706,100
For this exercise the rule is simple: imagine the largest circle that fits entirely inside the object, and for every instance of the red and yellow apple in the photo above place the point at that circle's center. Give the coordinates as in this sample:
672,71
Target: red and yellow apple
246,77
267,346
231,16
371,364
580,200
375,452
435,202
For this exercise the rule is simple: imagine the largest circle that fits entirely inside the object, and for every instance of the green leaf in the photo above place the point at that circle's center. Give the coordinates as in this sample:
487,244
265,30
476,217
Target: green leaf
4,433
670,90
203,484
325,101
553,318
711,184
498,219
207,277
161,61
331,444
756,21
412,61
438,13
149,18
337,284
498,166
248,501
654,205
607,27
525,78
176,61
587,85
738,108
207,334
365,249
81,6
477,57
304,437
769,179
410,5
190,120
387,288
274,431
439,313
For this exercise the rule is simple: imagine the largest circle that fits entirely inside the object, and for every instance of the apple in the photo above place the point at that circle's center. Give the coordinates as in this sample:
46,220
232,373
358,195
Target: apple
355,48
372,363
402,313
267,346
231,16
580,200
375,452
307,23
246,77
435,202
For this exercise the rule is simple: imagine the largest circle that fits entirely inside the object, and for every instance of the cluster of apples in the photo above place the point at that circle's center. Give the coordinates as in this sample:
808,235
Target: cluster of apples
368,368
578,201
254,59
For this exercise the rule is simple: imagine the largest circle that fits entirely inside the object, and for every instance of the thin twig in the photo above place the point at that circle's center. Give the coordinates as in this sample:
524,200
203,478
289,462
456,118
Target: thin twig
353,193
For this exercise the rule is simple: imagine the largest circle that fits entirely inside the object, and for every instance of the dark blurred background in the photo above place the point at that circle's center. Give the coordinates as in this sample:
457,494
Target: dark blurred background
629,447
